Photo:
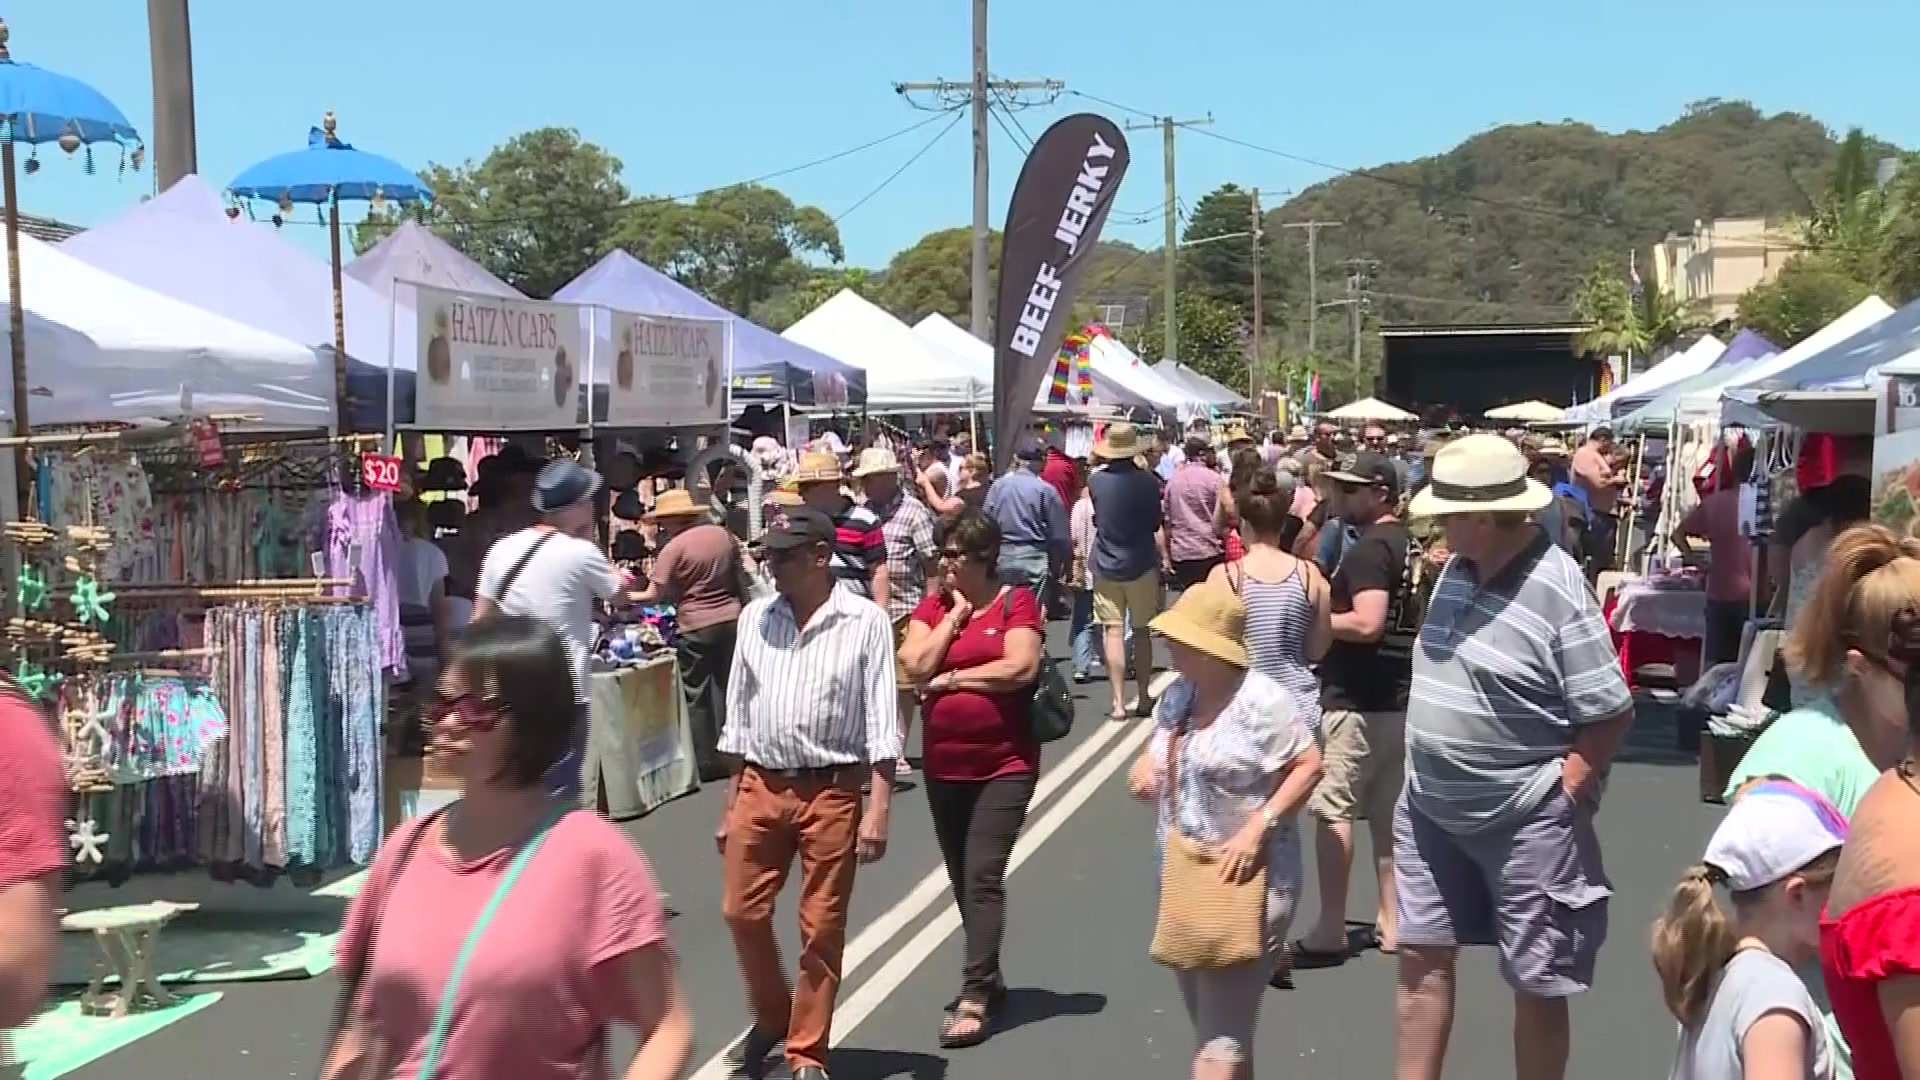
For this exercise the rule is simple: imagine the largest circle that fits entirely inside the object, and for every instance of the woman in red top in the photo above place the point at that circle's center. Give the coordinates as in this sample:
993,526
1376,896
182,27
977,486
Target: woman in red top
1870,936
975,646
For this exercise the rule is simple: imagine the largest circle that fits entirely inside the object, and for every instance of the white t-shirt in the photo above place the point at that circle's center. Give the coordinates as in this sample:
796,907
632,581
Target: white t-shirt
560,585
424,566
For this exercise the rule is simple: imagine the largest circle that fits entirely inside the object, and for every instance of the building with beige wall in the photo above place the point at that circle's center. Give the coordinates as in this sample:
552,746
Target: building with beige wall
1718,261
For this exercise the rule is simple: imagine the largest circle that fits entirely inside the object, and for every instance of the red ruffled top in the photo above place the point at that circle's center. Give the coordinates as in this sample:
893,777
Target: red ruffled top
1875,941
1231,547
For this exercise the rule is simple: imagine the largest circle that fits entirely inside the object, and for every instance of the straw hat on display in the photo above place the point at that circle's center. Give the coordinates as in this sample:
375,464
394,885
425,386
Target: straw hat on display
818,467
787,494
674,503
1120,442
1551,447
1208,619
876,459
1234,432
1480,474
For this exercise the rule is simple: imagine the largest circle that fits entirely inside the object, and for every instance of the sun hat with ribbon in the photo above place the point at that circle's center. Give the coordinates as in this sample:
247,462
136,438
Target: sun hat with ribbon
1479,474
876,459
673,503
1121,441
1210,619
818,467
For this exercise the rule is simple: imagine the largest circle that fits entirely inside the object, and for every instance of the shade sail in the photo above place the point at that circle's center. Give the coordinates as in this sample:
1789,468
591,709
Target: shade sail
101,349
904,370
1371,409
412,253
979,357
766,366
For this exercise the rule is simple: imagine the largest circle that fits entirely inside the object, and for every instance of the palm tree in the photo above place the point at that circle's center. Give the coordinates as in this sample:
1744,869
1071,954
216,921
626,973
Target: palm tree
1665,320
1605,305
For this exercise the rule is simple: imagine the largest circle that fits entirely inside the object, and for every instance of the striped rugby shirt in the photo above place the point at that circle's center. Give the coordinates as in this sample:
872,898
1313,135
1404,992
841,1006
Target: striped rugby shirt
859,545
816,696
1503,674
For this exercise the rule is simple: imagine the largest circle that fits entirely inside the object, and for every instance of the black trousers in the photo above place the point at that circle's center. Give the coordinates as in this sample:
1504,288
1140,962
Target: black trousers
977,824
706,659
1190,572
1726,625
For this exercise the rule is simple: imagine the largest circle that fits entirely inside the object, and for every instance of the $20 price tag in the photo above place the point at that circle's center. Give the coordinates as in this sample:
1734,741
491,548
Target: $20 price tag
380,472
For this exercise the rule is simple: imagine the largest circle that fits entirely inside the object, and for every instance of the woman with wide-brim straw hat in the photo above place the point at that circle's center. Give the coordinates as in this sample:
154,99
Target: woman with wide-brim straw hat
1243,763
702,570
1517,706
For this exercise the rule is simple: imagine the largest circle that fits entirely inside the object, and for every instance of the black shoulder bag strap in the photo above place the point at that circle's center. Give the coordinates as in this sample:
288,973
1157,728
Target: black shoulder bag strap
513,572
353,969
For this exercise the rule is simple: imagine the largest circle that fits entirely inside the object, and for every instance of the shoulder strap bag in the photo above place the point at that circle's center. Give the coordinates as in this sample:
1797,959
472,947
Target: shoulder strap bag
1050,712
1204,922
369,1061
513,572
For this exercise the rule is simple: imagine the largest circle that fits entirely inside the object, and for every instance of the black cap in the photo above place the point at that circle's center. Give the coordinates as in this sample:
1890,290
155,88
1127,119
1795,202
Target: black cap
797,527
562,483
1030,449
1369,469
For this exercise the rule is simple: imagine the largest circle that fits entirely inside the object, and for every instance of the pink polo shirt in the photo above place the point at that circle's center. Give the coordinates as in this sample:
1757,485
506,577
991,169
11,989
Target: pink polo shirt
546,980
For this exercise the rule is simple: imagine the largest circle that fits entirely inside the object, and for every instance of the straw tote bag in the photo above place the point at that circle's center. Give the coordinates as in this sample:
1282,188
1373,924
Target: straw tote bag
1203,921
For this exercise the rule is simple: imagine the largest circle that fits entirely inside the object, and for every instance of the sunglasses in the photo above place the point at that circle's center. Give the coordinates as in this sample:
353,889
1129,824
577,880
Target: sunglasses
953,553
472,711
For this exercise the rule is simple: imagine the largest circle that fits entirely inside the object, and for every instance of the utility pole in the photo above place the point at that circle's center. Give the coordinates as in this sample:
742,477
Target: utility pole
1358,272
1168,126
1253,365
170,45
1313,275
974,93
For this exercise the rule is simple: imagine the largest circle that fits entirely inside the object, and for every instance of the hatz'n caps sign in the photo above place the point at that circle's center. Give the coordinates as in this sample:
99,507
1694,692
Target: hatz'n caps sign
668,371
487,363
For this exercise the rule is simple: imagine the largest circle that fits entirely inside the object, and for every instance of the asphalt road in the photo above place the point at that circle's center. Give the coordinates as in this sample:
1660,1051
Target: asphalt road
1087,1000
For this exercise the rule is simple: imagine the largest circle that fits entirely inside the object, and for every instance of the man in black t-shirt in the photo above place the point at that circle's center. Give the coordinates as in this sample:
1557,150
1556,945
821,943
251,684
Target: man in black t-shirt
1364,678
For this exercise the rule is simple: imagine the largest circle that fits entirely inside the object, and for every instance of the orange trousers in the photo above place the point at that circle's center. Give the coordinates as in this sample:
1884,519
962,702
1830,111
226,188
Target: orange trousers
776,816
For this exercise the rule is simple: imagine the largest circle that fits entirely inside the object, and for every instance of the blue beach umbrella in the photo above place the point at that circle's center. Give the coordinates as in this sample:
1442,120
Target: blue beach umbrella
40,106
327,173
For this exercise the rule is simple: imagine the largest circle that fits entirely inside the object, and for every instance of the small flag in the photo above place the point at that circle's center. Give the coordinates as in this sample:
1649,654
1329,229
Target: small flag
1633,277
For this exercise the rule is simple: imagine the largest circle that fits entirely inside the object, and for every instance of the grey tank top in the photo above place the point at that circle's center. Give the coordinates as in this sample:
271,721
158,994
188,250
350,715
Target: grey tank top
1279,615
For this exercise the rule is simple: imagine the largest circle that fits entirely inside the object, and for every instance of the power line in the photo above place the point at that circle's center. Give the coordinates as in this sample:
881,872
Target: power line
908,164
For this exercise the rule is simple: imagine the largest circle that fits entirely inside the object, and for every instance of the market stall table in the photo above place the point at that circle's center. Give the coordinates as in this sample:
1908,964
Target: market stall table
639,744
1652,624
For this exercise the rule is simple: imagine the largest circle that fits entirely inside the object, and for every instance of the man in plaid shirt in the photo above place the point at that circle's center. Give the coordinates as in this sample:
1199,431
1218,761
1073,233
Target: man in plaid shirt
911,553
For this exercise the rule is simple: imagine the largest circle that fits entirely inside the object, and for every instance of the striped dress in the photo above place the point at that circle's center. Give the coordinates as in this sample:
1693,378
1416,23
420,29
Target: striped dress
1279,616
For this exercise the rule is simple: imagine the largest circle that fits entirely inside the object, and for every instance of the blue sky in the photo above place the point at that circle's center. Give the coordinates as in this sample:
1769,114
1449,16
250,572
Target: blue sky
693,95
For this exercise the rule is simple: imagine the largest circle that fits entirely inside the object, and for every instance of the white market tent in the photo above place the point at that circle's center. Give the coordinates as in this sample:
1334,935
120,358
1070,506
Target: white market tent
101,349
1685,364
1707,400
1372,409
978,355
1120,364
1527,412
905,371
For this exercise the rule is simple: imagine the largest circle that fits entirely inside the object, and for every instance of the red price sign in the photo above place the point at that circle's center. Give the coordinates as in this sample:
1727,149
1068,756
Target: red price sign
380,472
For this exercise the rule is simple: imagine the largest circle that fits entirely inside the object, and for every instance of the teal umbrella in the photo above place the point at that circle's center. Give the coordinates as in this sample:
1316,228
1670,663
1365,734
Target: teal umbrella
39,106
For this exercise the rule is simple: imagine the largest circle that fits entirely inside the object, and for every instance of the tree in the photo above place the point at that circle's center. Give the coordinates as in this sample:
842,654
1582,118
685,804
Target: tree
793,304
1810,292
1603,301
1213,339
934,276
1223,267
1897,250
738,245
1665,320
535,211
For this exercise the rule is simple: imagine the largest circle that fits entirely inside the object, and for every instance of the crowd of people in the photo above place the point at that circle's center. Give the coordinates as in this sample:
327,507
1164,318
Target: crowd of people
1366,629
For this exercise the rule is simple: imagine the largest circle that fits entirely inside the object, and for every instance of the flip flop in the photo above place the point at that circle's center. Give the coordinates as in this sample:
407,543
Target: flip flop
1306,959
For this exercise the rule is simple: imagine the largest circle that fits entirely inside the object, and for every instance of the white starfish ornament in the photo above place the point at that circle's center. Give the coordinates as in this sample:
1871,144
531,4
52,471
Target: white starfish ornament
86,841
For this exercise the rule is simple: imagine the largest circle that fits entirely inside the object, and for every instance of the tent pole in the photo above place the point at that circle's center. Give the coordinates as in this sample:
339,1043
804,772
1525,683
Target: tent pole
339,320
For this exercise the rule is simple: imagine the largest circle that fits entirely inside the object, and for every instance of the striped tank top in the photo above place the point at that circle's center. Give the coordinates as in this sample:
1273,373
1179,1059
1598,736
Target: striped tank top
1279,615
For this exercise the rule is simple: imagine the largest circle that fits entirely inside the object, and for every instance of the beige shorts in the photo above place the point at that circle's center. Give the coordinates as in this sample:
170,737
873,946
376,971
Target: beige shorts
1363,766
900,679
1114,601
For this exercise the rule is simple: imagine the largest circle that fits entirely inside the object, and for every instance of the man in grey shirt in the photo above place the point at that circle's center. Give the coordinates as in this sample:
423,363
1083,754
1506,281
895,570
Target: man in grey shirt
1516,708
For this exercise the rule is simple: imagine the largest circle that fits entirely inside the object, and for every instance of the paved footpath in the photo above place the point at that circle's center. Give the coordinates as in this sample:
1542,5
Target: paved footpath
1086,1000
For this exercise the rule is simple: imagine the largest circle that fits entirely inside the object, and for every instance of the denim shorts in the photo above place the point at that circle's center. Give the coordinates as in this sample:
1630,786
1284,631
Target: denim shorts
1535,889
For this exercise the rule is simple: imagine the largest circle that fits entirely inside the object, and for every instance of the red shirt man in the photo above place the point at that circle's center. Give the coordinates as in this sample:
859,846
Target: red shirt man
1059,472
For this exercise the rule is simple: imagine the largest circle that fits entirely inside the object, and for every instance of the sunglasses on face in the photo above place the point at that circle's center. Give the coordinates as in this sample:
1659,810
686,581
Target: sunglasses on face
953,553
471,710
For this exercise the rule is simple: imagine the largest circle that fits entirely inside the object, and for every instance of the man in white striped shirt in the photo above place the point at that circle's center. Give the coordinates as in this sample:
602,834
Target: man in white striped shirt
811,716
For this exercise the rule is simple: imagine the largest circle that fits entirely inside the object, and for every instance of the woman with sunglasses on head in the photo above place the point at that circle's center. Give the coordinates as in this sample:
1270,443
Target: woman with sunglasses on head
504,935
975,646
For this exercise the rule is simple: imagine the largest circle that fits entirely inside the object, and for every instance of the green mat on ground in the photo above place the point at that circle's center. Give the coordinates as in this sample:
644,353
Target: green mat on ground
62,1040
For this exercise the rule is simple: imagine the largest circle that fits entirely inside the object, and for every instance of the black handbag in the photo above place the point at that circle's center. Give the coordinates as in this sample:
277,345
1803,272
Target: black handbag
1050,713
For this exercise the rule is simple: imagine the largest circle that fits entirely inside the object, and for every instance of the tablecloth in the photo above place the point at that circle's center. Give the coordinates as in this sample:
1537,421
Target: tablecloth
1637,648
1674,613
639,745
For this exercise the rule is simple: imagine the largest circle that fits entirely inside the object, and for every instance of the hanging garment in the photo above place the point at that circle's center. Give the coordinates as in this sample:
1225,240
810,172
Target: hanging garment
361,538
158,726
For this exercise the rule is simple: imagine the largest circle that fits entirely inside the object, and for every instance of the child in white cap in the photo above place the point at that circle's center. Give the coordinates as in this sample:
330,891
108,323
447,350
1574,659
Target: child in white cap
1727,970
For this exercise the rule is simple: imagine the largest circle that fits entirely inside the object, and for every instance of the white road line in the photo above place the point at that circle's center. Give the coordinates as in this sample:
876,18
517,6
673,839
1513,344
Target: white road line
877,934
899,967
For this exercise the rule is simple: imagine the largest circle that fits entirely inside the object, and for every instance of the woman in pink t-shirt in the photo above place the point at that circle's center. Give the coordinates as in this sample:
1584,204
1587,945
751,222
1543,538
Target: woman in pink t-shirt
503,935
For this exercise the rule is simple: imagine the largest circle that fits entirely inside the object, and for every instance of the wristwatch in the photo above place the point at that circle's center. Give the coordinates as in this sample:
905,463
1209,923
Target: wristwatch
1268,818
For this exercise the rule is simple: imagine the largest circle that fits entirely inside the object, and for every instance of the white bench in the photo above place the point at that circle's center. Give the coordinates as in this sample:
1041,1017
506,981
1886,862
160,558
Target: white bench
126,936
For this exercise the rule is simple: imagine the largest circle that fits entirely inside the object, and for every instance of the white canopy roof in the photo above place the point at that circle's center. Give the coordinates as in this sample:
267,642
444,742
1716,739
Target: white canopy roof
103,349
1527,412
1707,400
979,359
1371,409
1685,364
1119,363
904,370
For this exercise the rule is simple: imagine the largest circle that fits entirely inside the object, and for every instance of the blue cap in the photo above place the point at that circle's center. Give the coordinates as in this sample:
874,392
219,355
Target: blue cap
562,483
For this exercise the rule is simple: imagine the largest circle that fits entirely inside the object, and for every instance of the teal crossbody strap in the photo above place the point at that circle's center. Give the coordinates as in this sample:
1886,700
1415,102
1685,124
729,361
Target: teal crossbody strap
443,1015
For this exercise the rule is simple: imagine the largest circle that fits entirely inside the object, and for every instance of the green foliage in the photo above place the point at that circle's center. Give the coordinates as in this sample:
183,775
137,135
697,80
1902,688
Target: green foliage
738,245
1896,258
1604,302
1223,268
934,276
1810,291
822,284
1212,339
535,212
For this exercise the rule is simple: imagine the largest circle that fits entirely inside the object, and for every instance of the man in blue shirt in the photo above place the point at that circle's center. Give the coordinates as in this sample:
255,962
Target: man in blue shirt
1129,550
1035,544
